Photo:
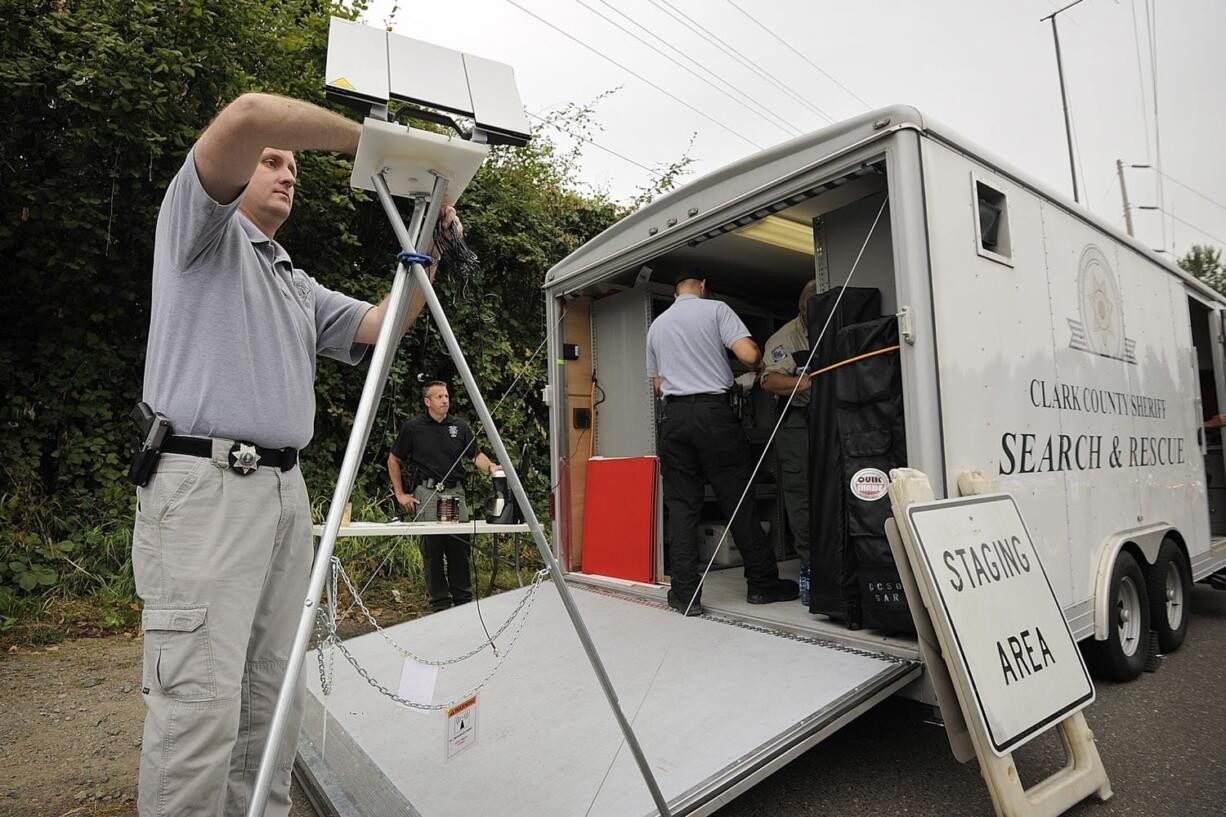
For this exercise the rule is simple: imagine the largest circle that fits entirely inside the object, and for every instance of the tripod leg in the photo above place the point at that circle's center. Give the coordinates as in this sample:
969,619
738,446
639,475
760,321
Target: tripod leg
491,431
403,285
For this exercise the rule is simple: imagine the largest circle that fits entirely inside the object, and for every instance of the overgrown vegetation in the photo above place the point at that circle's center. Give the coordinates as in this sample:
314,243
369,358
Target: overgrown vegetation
1205,262
102,100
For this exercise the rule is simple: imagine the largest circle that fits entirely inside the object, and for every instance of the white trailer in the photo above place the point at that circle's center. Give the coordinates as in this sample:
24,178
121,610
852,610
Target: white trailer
1042,352
1041,348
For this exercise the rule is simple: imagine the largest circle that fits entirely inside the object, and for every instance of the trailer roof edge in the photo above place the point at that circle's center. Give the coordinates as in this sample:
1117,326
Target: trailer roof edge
652,221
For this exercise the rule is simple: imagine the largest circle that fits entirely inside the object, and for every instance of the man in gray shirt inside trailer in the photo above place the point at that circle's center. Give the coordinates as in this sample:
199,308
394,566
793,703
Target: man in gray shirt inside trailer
701,441
221,547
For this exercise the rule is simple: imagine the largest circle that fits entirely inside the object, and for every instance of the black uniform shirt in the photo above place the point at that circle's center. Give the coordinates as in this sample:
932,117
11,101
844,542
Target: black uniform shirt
430,448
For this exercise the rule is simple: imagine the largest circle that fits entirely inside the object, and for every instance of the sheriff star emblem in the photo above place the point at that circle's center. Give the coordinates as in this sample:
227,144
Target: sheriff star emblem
245,458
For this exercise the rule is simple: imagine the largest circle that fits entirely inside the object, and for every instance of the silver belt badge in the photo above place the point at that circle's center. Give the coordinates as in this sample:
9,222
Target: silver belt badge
245,458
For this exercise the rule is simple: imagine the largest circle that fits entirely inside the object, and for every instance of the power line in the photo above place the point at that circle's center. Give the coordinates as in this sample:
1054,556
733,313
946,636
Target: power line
1189,188
1186,223
692,24
1103,197
595,144
635,74
1152,19
786,126
762,110
1136,41
789,46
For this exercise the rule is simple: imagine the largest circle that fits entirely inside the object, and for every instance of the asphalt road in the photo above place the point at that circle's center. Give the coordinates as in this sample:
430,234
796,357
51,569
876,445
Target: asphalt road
1162,739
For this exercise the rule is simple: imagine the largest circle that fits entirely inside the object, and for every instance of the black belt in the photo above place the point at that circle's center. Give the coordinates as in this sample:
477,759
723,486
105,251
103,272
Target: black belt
244,457
431,482
696,398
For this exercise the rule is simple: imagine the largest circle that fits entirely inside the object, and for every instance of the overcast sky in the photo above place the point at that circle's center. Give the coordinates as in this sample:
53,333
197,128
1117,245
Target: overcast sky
985,68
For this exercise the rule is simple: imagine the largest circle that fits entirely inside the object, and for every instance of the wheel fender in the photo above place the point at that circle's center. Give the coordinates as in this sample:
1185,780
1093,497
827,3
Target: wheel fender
1148,539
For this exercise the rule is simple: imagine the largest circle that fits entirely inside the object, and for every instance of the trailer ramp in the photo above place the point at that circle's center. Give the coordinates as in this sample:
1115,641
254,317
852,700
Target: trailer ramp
716,703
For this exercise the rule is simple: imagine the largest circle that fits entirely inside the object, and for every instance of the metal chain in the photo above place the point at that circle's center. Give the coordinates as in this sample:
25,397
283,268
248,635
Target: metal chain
383,690
407,653
325,617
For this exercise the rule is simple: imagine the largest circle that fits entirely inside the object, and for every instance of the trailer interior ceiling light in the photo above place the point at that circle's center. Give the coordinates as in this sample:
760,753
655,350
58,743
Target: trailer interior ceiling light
784,237
781,232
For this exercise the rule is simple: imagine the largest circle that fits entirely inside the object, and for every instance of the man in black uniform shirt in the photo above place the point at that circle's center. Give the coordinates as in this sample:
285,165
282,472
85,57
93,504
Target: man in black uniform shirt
435,446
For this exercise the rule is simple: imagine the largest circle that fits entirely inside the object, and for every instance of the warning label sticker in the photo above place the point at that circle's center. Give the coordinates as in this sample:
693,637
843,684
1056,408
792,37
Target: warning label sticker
461,726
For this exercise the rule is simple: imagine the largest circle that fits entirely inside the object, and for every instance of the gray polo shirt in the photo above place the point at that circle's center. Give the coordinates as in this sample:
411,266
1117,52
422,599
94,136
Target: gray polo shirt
686,346
234,327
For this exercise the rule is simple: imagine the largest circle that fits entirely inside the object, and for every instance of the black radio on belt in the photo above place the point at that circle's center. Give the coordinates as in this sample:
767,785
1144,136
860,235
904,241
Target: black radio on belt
152,429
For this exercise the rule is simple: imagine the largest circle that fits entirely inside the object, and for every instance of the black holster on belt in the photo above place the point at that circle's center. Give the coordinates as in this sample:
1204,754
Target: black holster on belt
151,431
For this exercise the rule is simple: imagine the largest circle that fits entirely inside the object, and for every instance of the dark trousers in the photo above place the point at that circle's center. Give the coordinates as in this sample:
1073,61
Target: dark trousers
445,561
701,442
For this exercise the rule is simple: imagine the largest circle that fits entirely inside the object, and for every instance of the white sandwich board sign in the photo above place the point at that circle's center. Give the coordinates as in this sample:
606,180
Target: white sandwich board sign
1012,640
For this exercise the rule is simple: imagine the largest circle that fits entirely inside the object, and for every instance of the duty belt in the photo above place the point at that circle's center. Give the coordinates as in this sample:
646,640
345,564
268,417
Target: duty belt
244,457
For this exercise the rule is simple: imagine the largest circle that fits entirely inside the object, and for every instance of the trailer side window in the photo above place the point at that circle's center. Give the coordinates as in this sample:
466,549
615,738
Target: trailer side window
992,223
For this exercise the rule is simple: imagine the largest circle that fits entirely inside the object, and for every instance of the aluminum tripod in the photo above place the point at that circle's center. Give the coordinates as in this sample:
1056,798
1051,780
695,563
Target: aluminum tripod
407,280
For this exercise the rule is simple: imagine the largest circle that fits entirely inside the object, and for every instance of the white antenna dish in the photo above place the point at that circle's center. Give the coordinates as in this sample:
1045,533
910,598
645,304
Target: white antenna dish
368,67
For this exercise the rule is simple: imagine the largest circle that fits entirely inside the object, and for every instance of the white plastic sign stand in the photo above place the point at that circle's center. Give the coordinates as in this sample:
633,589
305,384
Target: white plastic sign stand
1011,636
1009,687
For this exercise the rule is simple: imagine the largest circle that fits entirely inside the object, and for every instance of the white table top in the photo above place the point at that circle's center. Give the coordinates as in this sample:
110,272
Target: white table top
421,528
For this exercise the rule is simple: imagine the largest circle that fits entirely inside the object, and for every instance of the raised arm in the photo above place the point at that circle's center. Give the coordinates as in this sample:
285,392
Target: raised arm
228,151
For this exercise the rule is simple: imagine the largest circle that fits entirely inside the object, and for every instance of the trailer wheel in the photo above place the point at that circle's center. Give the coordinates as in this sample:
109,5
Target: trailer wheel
1121,657
1170,591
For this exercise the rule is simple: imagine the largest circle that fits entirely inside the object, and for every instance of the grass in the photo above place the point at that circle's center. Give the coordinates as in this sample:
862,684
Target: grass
396,593
95,596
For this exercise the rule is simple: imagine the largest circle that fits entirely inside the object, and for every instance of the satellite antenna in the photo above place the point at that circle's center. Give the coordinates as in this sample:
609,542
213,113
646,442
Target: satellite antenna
475,98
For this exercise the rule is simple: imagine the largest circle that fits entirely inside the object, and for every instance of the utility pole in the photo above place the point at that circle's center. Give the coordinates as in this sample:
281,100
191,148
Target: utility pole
1119,168
1068,128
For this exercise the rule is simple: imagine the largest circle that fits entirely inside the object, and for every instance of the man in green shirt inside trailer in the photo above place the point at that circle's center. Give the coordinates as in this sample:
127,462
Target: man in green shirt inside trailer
786,352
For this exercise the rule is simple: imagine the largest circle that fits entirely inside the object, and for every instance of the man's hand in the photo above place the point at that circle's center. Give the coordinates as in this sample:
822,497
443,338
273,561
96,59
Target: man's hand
407,501
448,216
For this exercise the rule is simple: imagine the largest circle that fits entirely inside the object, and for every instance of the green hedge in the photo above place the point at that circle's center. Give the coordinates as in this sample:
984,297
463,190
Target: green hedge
102,100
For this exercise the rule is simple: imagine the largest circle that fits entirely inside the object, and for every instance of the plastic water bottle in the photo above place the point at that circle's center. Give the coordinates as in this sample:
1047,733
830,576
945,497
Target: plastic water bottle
804,585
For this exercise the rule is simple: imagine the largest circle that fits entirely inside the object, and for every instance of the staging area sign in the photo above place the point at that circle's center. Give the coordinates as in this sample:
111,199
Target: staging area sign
1012,642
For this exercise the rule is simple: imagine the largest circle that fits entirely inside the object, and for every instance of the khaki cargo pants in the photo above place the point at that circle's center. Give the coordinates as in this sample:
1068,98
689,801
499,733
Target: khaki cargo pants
222,561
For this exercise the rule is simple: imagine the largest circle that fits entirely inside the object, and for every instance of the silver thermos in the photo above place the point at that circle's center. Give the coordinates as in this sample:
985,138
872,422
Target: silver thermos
502,505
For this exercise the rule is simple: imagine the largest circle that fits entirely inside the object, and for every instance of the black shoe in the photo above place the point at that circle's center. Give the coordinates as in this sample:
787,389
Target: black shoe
679,605
784,590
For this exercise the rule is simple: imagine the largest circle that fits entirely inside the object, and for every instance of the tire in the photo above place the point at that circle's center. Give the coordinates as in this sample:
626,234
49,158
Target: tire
1170,593
1122,656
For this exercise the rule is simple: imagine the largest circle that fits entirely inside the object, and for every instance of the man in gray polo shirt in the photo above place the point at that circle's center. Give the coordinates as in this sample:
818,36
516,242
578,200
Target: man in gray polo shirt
221,547
701,441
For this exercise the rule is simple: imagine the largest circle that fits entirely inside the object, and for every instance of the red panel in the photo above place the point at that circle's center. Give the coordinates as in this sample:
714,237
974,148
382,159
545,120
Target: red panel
619,525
